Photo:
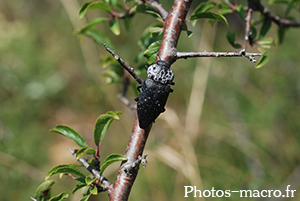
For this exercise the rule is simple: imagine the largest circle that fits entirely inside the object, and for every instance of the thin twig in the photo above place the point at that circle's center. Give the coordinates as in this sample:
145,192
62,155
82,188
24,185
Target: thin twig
106,184
242,53
127,102
248,33
123,64
233,7
282,23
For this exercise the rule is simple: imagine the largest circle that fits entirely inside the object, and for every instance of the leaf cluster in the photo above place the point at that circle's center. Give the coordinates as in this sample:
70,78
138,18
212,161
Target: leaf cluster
89,186
150,39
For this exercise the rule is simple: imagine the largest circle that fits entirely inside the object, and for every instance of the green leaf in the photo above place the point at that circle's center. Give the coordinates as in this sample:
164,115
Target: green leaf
231,37
265,27
147,38
102,124
92,23
151,52
99,38
89,180
94,190
265,43
85,150
110,160
43,191
60,197
66,169
113,2
210,15
189,33
93,5
141,8
85,190
185,28
263,60
152,59
291,5
241,11
278,1
78,186
205,7
85,198
280,33
114,26
254,32
146,9
127,23
70,133
156,29
224,11
156,32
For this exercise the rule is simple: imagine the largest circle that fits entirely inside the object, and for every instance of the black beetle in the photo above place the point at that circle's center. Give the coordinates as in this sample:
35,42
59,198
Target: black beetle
154,92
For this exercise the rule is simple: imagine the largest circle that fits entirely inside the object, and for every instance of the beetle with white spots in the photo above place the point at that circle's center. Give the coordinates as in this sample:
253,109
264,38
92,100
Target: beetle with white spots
154,92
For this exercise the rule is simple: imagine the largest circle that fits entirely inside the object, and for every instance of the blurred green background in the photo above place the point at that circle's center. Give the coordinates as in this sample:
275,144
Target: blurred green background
245,135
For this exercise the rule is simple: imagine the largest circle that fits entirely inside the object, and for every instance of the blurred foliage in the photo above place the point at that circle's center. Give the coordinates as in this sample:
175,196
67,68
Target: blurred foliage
249,128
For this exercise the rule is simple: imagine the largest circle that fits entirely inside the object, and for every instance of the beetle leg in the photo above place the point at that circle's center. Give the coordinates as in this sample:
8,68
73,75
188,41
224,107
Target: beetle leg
138,87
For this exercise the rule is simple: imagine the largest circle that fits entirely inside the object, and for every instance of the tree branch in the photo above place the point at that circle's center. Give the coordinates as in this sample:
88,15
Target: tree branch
282,23
125,179
242,53
167,52
173,26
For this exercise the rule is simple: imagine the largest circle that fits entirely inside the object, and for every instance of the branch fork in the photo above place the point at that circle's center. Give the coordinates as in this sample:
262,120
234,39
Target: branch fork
106,184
